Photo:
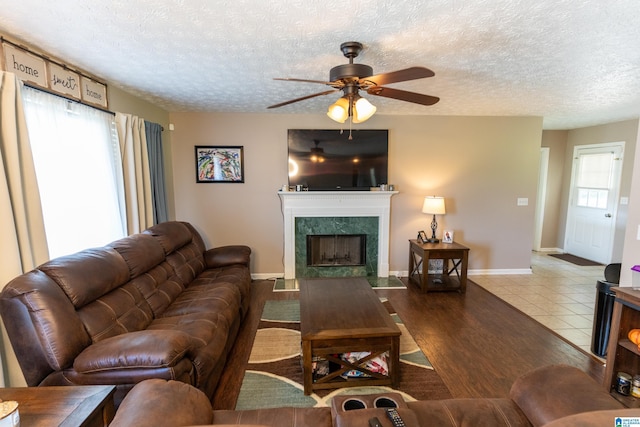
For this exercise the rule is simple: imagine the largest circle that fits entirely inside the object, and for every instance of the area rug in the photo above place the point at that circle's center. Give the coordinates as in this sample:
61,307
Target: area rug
582,262
273,377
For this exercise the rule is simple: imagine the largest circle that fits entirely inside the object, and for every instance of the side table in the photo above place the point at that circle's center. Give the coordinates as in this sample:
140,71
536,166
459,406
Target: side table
454,258
69,406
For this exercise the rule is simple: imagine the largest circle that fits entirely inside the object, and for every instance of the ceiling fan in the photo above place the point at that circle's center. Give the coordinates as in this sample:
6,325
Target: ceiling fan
352,78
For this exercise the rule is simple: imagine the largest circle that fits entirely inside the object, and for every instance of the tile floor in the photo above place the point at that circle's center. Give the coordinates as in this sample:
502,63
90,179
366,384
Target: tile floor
558,294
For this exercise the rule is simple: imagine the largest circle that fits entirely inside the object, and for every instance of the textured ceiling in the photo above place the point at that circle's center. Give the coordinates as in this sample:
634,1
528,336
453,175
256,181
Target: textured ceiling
575,63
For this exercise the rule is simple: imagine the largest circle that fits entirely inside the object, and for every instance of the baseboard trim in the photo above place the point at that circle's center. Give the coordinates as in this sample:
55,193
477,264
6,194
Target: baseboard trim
486,272
267,276
499,271
550,250
405,273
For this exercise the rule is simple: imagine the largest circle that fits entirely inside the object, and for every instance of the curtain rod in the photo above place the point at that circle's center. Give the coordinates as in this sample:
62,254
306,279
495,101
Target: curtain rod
59,95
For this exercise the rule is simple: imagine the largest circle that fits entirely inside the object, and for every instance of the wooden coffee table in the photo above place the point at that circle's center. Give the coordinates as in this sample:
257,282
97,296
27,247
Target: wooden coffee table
340,315
71,406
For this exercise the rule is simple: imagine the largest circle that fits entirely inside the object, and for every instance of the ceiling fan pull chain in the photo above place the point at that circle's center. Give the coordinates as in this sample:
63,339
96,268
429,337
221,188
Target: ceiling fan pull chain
350,126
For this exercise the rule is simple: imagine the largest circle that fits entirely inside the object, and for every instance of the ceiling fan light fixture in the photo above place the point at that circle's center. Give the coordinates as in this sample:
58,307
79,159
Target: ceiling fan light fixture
339,111
362,110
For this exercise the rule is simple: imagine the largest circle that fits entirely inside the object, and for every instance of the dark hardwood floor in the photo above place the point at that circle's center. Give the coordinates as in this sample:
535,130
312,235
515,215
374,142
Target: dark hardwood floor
477,343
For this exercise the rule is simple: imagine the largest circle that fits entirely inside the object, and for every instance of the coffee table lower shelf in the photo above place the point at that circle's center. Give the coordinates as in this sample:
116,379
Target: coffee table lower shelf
328,349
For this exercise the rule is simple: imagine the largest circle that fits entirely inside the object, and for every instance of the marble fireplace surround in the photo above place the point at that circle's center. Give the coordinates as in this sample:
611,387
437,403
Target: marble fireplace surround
336,204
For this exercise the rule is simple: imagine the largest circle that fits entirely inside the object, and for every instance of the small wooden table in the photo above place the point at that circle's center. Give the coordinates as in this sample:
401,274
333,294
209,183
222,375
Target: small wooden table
455,258
340,315
67,406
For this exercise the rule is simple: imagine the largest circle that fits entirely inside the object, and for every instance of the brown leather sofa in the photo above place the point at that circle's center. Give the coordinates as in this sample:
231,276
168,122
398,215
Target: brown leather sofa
551,396
152,305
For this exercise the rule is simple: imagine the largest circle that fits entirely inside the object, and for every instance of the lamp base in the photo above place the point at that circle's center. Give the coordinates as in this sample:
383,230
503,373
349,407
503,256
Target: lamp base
434,240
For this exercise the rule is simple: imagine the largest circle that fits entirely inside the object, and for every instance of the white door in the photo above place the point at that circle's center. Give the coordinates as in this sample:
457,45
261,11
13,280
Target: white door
595,182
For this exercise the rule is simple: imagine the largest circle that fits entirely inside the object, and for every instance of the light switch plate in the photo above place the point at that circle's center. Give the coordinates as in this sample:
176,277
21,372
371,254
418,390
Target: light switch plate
523,201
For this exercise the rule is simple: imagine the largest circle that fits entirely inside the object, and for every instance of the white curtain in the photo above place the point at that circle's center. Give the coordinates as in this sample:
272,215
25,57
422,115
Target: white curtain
76,154
23,243
135,167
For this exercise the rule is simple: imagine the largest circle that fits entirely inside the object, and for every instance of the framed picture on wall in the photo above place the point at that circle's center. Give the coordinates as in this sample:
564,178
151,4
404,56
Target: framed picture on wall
219,164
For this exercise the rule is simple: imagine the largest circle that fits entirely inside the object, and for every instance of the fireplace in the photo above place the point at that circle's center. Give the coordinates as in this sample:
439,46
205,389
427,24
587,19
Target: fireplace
337,249
336,212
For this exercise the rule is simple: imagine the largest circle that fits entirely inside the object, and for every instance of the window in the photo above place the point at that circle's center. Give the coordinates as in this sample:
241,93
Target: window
77,160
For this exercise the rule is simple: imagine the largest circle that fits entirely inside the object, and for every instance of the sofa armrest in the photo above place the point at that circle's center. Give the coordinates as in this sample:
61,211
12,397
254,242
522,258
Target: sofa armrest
596,418
140,349
552,392
227,255
159,402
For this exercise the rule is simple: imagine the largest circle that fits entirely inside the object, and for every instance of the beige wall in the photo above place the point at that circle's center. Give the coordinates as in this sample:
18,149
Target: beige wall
626,131
481,165
631,254
556,141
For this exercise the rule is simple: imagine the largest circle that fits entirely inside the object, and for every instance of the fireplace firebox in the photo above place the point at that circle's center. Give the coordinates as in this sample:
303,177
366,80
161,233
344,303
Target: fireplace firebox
336,250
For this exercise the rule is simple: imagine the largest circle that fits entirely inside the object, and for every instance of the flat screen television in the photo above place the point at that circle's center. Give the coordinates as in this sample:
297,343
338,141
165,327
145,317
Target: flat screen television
324,160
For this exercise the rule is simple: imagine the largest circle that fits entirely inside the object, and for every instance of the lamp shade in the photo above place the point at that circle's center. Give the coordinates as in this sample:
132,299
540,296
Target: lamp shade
362,110
433,205
339,111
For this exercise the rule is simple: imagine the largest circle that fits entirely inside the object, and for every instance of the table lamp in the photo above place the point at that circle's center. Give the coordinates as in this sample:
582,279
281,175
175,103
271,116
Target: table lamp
433,206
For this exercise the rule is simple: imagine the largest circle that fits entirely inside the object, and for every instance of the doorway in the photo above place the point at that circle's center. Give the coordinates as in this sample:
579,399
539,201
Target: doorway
541,197
594,192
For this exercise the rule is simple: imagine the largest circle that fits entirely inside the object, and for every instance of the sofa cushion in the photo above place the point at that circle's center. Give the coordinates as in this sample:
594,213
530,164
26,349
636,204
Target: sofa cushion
182,246
141,252
122,310
235,274
171,235
278,417
159,286
146,349
551,392
87,275
469,412
222,299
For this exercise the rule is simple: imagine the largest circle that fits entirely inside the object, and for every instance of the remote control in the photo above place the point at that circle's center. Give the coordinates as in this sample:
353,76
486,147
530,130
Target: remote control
374,422
393,415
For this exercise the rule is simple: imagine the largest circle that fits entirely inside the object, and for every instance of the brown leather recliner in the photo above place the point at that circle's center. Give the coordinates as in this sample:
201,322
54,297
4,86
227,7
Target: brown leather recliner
151,305
556,395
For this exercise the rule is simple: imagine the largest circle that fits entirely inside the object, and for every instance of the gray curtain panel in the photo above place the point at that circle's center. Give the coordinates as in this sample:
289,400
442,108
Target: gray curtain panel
156,169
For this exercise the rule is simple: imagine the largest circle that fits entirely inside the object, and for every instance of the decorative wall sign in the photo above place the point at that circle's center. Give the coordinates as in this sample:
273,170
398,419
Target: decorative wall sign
94,92
63,80
219,164
47,74
27,67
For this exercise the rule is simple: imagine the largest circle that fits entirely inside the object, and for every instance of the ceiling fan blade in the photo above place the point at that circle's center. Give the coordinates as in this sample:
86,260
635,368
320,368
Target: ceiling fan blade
326,92
412,73
305,81
403,95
